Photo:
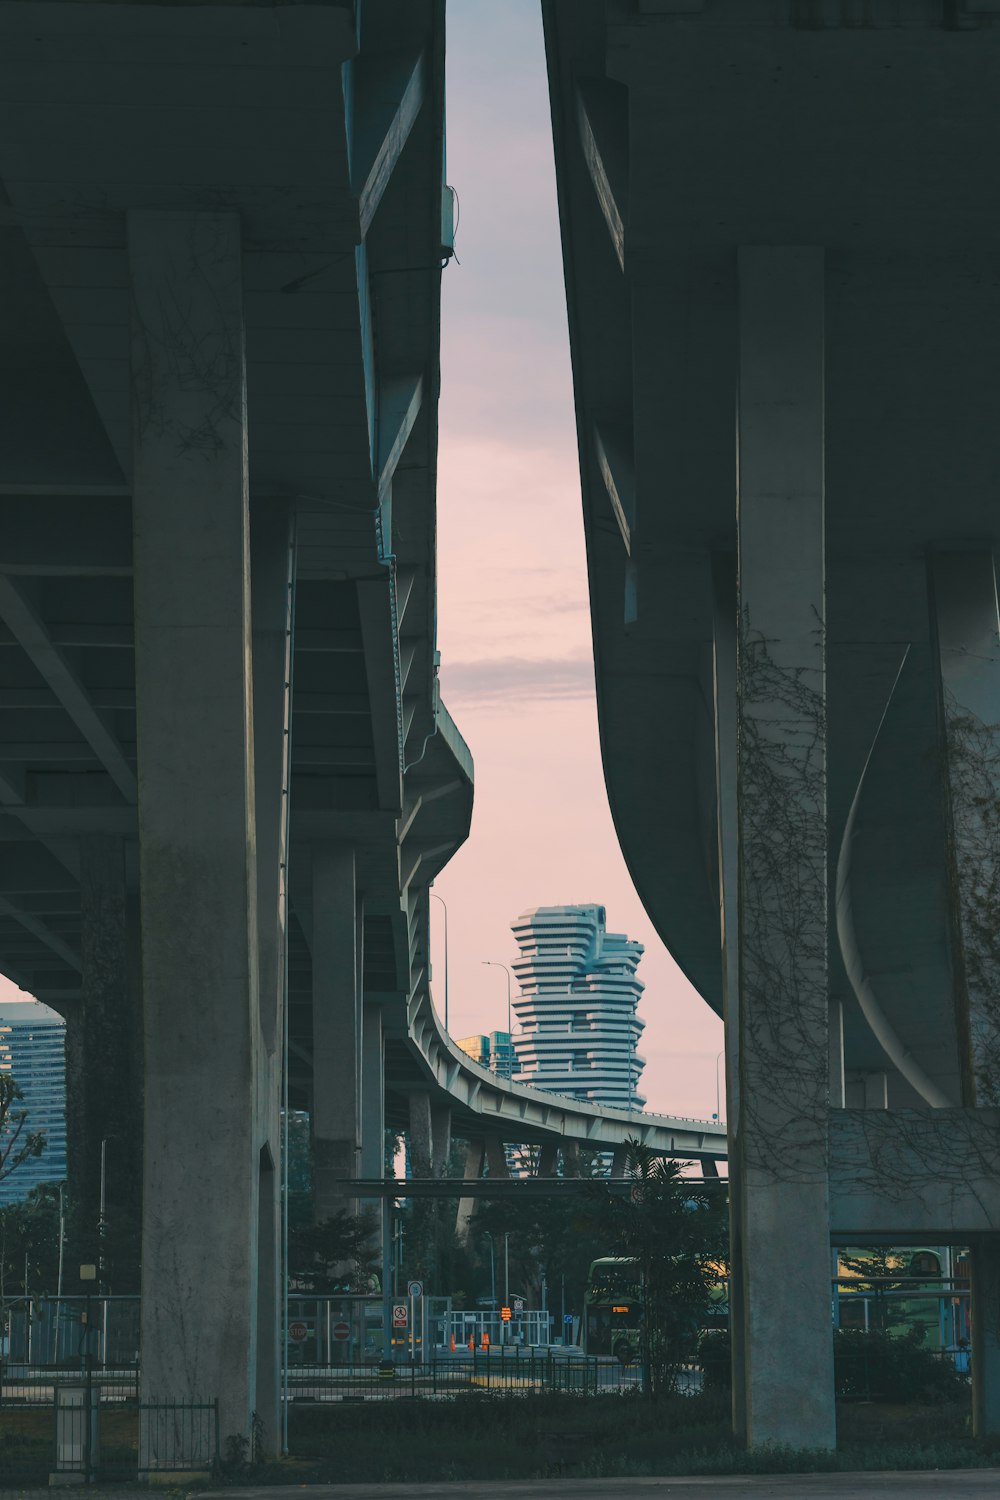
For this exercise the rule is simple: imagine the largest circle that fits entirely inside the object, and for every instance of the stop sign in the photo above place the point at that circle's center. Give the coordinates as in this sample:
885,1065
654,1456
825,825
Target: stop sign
298,1332
341,1331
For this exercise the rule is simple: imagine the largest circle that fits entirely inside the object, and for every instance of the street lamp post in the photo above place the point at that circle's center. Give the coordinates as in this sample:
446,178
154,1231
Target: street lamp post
436,897
493,964
718,1087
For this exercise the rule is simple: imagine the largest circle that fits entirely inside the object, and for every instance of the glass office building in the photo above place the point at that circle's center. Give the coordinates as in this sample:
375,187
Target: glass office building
33,1049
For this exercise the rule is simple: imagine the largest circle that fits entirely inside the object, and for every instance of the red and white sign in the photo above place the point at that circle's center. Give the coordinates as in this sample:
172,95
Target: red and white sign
341,1331
298,1332
399,1318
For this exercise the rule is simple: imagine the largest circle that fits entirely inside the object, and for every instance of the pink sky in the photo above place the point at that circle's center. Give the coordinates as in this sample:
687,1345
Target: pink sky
512,590
514,627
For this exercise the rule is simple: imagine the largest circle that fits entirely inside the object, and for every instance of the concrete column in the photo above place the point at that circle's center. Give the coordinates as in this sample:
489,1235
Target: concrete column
724,678
373,1094
421,1135
496,1157
967,634
474,1158
110,1090
272,555
548,1154
337,1029
967,631
373,1110
619,1161
781,1131
985,1267
440,1138
571,1158
196,813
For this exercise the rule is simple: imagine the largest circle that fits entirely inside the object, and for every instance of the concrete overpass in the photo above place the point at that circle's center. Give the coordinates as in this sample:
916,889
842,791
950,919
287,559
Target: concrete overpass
223,752
783,306
227,779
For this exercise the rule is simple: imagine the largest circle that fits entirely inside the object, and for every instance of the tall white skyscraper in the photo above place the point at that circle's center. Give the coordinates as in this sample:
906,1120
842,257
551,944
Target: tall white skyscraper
577,1006
33,1048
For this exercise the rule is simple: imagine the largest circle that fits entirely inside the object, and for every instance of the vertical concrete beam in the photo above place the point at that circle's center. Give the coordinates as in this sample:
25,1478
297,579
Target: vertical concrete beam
781,818
547,1159
421,1135
985,1257
571,1158
373,1111
474,1158
272,557
337,1029
440,1138
106,1111
966,625
724,680
967,632
196,812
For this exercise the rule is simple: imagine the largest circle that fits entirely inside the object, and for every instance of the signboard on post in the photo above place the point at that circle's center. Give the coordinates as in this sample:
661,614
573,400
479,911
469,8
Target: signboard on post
505,1314
415,1289
298,1332
341,1332
399,1315
518,1304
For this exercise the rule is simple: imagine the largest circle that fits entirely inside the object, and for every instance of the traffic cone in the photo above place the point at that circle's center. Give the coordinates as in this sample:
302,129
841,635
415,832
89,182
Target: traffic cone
453,1343
486,1340
472,1343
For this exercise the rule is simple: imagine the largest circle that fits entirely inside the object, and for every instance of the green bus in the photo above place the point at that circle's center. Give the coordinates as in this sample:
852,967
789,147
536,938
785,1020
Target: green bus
612,1309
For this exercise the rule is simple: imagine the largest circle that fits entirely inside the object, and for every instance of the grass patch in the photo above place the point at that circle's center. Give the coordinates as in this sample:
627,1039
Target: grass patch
476,1436
27,1442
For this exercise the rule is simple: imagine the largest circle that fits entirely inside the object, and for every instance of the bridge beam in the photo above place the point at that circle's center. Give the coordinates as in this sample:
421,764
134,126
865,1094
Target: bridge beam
272,561
781,1141
196,810
337,1026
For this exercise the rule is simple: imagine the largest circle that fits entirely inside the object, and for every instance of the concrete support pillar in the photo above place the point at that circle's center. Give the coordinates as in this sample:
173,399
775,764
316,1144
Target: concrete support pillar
196,813
619,1161
781,1133
548,1155
109,1106
967,634
337,1029
967,631
421,1135
272,558
440,1138
372,1093
571,1158
474,1158
724,678
986,1337
373,1111
496,1157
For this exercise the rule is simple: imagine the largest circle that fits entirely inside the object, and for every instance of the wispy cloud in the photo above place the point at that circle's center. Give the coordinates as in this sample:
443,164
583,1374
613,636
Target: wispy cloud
491,680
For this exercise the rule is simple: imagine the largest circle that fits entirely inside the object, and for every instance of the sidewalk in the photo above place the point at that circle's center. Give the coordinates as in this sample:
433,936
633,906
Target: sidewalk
937,1485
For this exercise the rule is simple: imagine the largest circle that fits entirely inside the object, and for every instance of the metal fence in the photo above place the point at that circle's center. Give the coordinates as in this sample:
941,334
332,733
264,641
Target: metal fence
84,1432
499,1372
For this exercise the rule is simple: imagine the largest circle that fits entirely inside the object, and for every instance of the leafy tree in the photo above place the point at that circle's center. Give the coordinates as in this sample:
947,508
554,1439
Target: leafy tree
546,1235
675,1229
879,1270
17,1143
29,1243
338,1255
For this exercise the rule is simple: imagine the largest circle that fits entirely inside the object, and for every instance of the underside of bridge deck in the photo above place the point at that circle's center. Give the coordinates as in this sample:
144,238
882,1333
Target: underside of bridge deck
783,306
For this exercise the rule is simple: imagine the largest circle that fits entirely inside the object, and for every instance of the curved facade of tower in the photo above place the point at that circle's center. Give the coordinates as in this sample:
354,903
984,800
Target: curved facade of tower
577,1006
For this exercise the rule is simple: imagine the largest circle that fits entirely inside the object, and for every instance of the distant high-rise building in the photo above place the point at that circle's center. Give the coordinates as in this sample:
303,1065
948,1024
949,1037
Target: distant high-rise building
478,1048
495,1052
33,1049
577,1006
